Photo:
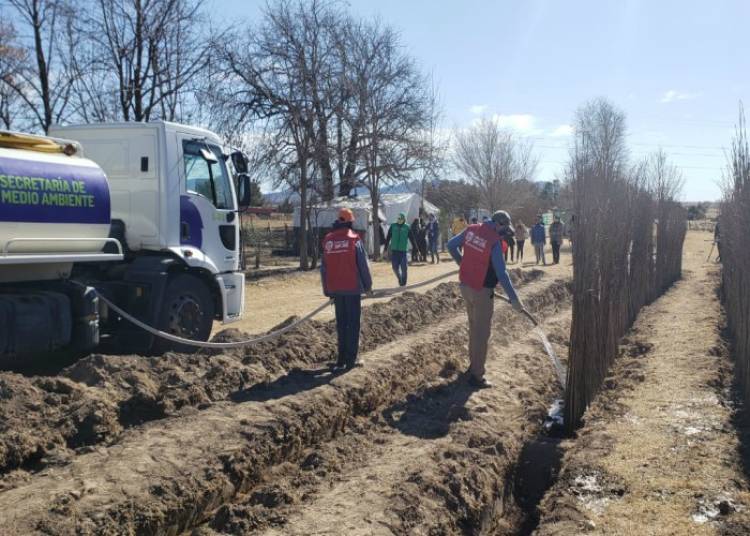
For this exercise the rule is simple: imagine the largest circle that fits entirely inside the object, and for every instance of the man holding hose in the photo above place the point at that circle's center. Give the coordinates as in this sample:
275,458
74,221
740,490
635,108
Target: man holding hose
481,268
345,275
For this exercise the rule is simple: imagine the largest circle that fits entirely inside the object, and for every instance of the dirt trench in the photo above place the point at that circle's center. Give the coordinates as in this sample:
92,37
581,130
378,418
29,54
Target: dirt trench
441,461
48,420
661,451
166,476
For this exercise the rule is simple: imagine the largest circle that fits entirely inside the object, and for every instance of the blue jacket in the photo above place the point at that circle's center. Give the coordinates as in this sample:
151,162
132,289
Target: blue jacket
363,268
537,234
498,263
433,230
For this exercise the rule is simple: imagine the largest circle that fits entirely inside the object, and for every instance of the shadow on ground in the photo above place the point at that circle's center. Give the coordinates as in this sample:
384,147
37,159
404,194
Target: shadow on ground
429,414
294,382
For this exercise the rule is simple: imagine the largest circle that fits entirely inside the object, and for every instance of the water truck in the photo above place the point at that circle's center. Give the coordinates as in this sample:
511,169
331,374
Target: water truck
143,214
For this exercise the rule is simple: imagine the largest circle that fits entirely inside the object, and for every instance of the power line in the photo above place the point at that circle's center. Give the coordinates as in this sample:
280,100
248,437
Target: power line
717,168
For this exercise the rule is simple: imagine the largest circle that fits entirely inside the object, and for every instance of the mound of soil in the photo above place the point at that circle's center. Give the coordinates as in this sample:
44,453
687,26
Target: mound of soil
173,473
47,420
438,461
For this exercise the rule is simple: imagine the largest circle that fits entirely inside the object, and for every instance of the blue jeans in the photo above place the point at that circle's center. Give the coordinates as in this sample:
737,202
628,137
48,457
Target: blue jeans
348,310
399,265
433,243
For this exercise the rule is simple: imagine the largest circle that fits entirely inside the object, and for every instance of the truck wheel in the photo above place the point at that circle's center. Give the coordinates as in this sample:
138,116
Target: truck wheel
188,312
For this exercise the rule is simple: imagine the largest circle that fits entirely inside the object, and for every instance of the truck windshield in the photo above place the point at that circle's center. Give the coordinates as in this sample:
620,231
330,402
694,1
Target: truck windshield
205,177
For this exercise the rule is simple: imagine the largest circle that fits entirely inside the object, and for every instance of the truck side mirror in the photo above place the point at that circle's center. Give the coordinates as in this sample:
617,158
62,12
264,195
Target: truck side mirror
239,161
244,193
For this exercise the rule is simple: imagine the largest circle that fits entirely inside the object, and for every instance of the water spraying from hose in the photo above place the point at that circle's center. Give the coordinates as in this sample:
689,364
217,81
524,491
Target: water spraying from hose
559,368
560,371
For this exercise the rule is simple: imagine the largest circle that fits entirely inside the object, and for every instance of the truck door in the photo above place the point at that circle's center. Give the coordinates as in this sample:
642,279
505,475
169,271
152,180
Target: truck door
208,217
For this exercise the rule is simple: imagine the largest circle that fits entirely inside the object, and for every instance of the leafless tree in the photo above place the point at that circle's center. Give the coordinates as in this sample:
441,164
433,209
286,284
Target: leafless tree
274,76
397,111
666,182
665,178
435,143
496,160
42,83
734,244
12,58
598,177
136,60
615,273
340,99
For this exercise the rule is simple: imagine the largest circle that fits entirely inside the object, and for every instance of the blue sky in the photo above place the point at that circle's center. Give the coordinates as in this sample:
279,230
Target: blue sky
677,68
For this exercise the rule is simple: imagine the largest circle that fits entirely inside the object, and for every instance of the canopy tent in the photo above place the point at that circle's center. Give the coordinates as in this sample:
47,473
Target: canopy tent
409,204
391,205
322,217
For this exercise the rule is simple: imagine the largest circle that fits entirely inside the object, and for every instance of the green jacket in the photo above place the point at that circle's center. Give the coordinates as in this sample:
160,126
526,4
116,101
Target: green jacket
398,237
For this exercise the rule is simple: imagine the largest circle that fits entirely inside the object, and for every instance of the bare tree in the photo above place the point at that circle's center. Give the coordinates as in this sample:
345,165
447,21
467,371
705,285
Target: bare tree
137,60
274,76
665,179
12,58
435,144
496,160
396,110
666,182
615,271
43,83
734,244
598,177
339,99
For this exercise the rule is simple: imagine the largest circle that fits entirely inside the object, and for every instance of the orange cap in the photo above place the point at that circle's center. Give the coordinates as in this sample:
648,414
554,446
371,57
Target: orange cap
346,214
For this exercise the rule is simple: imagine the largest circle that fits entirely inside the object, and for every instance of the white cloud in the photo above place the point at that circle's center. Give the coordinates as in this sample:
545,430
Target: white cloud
673,95
562,130
523,123
478,109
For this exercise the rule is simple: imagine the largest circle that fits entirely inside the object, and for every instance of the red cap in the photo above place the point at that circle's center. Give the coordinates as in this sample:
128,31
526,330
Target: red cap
346,215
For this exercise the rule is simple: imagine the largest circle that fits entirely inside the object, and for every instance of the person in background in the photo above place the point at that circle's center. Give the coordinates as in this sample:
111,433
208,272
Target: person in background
415,229
381,234
433,237
458,225
345,275
474,220
538,240
556,238
422,239
511,242
522,233
481,269
398,237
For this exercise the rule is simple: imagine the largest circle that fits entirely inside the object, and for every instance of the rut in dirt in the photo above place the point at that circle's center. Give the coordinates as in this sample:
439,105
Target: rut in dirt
447,459
182,476
660,446
47,420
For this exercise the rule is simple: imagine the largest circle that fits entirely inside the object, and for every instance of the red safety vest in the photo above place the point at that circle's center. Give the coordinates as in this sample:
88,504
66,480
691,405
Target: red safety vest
340,257
479,239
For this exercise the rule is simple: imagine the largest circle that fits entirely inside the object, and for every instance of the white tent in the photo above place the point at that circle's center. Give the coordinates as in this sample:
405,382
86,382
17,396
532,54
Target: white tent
322,216
409,204
391,205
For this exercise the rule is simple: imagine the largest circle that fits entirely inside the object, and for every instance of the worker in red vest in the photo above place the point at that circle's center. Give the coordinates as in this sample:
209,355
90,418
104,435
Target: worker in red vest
482,268
345,274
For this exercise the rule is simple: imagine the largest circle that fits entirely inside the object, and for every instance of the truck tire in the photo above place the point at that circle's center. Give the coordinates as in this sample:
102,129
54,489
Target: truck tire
187,311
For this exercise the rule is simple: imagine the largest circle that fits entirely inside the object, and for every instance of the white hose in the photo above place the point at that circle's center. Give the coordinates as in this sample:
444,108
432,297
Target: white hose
268,336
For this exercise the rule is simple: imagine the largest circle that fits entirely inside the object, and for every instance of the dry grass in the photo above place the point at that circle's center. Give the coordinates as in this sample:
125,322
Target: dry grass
659,438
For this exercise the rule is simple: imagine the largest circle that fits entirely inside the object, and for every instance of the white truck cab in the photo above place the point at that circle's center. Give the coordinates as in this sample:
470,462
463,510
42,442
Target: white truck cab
172,255
172,190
